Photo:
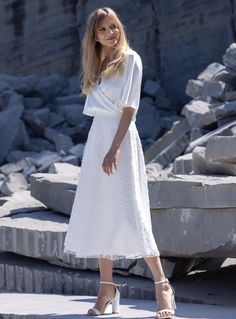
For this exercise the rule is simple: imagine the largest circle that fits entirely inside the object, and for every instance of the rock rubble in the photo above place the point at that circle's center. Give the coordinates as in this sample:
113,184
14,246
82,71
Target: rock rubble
190,169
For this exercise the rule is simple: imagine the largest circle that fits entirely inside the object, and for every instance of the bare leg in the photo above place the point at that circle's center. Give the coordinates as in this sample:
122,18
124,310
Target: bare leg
163,291
106,291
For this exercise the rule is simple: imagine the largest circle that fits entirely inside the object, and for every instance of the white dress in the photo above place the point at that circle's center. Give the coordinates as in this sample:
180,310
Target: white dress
111,214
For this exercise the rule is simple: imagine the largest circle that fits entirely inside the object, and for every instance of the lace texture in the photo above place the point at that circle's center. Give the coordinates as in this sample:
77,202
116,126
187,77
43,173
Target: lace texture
110,216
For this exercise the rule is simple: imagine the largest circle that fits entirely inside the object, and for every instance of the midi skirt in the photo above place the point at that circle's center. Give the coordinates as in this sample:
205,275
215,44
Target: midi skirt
110,215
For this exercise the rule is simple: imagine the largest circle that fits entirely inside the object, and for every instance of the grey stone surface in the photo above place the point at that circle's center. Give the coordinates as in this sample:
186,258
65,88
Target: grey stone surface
194,88
13,183
183,164
71,99
230,96
38,234
193,191
202,165
56,191
20,202
14,167
210,72
33,102
45,159
77,150
215,89
147,118
151,88
154,171
198,113
197,133
222,148
61,141
64,168
170,145
225,76
197,232
73,113
70,307
202,141
229,58
9,126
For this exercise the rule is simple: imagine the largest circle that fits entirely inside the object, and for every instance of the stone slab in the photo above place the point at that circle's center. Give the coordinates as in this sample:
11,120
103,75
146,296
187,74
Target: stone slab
222,148
170,145
195,232
56,191
202,141
30,275
193,191
183,164
202,165
20,202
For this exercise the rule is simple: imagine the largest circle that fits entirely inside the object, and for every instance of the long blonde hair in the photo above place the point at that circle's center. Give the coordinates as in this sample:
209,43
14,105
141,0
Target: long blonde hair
91,50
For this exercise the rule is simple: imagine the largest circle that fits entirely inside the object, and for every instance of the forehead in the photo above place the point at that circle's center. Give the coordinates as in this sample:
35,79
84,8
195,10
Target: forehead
107,20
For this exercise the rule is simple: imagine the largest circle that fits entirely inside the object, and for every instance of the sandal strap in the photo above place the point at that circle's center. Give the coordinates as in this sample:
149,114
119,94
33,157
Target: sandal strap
113,283
171,311
161,281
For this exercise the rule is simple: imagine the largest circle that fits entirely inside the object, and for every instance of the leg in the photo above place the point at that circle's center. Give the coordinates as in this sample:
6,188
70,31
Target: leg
163,291
106,291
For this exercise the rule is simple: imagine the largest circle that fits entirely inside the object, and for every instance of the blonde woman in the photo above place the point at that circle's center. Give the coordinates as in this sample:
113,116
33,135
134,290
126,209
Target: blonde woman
110,217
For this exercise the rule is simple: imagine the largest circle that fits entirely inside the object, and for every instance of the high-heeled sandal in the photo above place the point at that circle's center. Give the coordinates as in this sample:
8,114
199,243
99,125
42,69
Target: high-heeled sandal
169,310
111,306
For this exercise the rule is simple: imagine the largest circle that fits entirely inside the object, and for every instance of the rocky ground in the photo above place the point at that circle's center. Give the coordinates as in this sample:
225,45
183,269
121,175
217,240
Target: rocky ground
190,161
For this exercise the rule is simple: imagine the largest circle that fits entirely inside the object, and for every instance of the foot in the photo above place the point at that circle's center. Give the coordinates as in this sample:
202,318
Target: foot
164,294
105,294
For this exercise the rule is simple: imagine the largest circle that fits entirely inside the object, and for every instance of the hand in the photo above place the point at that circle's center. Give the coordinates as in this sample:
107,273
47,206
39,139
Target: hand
109,160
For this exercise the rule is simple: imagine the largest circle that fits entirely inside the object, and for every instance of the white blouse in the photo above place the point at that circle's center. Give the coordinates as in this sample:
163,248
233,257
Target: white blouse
112,94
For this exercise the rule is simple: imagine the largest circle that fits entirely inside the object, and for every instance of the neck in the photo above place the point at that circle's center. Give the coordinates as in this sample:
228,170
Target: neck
105,52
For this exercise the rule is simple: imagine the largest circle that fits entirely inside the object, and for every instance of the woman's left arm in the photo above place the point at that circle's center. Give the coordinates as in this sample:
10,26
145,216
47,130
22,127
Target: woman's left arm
111,157
129,103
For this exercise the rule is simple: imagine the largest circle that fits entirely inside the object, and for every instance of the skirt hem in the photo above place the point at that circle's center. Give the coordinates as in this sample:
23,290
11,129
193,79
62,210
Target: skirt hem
114,256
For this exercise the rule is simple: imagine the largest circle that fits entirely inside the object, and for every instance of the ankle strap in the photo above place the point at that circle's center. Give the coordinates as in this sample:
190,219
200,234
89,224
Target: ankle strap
107,282
161,281
113,283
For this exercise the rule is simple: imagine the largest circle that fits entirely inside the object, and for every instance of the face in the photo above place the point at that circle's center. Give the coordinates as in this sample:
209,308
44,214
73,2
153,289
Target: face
108,32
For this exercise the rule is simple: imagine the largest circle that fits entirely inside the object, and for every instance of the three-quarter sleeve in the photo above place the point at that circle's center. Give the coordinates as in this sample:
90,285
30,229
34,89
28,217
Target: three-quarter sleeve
132,82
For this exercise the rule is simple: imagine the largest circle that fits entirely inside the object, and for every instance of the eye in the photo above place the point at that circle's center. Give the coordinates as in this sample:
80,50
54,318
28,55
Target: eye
113,26
102,29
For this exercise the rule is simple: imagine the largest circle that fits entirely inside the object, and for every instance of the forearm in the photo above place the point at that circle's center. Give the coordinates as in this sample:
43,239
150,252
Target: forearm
123,126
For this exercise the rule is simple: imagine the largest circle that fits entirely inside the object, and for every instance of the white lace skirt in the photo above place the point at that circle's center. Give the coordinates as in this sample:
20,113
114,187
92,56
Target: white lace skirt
111,214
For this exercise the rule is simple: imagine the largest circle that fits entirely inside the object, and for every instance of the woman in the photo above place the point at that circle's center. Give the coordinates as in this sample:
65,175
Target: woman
110,216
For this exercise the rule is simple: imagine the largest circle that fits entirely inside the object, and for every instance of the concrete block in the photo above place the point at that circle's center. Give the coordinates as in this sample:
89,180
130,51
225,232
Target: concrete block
193,191
202,165
183,164
222,148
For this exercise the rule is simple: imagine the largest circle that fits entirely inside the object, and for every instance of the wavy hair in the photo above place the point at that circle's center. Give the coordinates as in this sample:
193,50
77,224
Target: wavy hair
91,50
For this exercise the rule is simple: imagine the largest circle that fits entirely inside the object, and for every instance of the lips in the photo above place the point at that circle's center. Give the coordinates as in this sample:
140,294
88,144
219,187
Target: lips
112,38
